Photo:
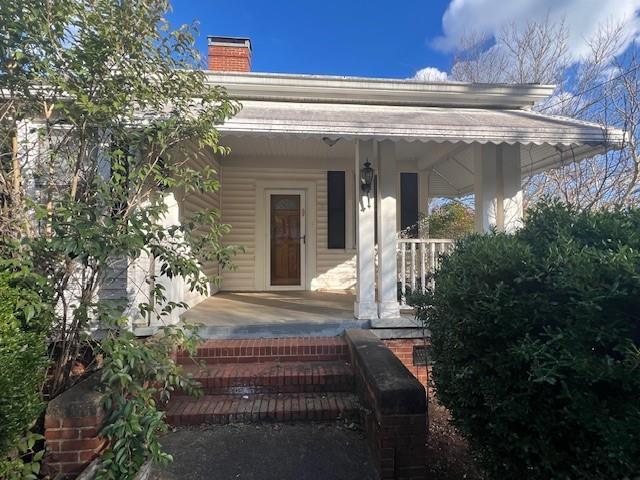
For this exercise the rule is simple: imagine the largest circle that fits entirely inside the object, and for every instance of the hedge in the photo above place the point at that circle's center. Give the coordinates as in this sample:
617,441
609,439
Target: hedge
23,359
536,342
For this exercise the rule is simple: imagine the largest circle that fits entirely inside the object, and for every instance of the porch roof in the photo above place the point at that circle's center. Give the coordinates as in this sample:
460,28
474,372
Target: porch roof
450,116
425,124
547,140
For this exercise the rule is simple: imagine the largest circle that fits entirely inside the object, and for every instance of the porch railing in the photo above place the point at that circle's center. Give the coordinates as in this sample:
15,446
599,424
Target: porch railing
418,260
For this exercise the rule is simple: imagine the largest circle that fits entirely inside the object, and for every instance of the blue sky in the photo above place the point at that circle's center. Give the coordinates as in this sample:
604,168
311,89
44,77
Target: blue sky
330,37
379,38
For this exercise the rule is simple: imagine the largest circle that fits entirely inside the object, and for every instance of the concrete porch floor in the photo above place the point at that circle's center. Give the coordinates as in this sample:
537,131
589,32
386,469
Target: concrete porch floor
274,314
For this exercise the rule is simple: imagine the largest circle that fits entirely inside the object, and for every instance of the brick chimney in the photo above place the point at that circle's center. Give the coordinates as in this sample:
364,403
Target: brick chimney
229,54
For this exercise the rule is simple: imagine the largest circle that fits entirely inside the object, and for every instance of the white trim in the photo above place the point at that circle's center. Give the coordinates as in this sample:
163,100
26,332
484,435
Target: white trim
261,280
376,91
267,239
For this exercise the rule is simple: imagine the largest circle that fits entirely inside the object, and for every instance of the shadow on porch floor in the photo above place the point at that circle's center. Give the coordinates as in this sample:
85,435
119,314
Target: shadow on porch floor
274,314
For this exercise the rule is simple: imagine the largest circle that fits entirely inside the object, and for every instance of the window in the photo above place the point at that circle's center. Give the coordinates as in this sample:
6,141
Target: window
409,203
336,214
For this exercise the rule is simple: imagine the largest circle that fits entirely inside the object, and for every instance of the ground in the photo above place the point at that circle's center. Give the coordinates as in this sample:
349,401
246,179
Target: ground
447,453
307,451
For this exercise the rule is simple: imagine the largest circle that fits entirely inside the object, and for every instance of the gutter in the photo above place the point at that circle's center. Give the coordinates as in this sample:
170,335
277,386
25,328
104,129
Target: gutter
376,91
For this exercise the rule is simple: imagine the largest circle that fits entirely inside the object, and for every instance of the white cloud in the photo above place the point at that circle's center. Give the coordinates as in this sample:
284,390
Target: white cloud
430,74
582,18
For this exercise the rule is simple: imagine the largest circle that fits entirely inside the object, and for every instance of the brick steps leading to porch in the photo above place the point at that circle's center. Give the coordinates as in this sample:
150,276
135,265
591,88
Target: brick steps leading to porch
223,409
305,349
273,377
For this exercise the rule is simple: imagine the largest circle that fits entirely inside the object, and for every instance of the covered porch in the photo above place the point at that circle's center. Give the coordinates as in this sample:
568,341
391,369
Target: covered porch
482,142
296,135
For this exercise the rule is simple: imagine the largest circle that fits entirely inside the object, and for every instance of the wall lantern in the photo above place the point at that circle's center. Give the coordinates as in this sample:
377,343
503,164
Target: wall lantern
366,177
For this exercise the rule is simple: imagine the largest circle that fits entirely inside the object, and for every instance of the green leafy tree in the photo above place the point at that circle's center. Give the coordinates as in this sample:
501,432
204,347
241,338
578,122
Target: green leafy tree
449,220
105,110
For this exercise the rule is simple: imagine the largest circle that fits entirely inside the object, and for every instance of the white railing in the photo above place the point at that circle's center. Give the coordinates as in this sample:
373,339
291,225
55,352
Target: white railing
418,260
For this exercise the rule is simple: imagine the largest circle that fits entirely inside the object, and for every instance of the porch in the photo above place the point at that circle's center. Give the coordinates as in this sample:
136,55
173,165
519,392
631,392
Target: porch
278,314
323,173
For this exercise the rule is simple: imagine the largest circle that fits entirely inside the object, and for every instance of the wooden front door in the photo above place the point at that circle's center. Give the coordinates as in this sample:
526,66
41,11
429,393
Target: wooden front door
286,239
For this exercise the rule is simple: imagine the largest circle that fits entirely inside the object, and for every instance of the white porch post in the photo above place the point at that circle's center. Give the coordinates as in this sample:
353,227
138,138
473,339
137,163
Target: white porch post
423,195
498,189
365,306
513,209
388,306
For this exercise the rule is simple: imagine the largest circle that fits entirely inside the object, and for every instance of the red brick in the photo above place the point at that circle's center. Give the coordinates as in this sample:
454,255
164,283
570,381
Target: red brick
61,433
84,444
62,457
88,432
88,456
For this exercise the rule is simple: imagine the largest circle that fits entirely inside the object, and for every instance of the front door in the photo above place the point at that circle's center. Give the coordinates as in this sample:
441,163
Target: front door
286,240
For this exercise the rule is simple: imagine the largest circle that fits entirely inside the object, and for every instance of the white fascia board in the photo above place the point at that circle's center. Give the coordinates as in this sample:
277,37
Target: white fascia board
375,91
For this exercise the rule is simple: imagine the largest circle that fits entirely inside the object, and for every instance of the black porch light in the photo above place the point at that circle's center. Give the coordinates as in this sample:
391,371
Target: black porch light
366,177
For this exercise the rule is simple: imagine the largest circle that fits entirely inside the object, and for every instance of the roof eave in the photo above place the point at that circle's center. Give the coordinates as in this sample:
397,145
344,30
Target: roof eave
373,91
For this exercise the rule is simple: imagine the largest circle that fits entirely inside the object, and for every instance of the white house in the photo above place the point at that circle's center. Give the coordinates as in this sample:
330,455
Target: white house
299,199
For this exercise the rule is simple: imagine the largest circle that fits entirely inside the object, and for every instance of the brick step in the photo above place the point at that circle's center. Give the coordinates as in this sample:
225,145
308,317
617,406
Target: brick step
222,409
306,349
271,377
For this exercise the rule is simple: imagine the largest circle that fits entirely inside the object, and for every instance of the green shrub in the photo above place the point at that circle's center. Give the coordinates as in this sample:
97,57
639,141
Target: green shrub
23,360
138,376
536,342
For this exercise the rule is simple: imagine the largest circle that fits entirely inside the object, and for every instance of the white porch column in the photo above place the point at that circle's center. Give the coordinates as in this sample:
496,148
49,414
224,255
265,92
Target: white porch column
498,189
512,203
424,196
365,307
388,306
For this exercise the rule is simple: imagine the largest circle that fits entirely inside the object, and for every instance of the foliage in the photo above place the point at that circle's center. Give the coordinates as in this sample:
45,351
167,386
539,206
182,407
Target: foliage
450,220
536,341
123,113
138,376
25,461
105,116
24,317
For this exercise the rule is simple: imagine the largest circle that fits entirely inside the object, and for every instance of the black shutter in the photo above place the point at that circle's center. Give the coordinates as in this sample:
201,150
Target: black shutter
409,203
336,215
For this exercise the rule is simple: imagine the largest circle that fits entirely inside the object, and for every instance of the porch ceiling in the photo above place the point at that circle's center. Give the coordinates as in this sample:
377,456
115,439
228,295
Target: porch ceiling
451,164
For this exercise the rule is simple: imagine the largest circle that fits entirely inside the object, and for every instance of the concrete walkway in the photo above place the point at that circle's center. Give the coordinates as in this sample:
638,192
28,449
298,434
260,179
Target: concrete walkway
309,451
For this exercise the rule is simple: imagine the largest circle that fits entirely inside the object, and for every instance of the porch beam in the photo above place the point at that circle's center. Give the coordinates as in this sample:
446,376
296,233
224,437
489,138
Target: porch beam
365,307
388,306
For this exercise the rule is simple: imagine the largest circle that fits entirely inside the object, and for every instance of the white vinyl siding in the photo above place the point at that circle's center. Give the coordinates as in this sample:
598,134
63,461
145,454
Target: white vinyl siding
335,269
195,201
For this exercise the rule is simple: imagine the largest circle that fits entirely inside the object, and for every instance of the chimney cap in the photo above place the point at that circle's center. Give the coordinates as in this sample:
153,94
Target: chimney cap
229,41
